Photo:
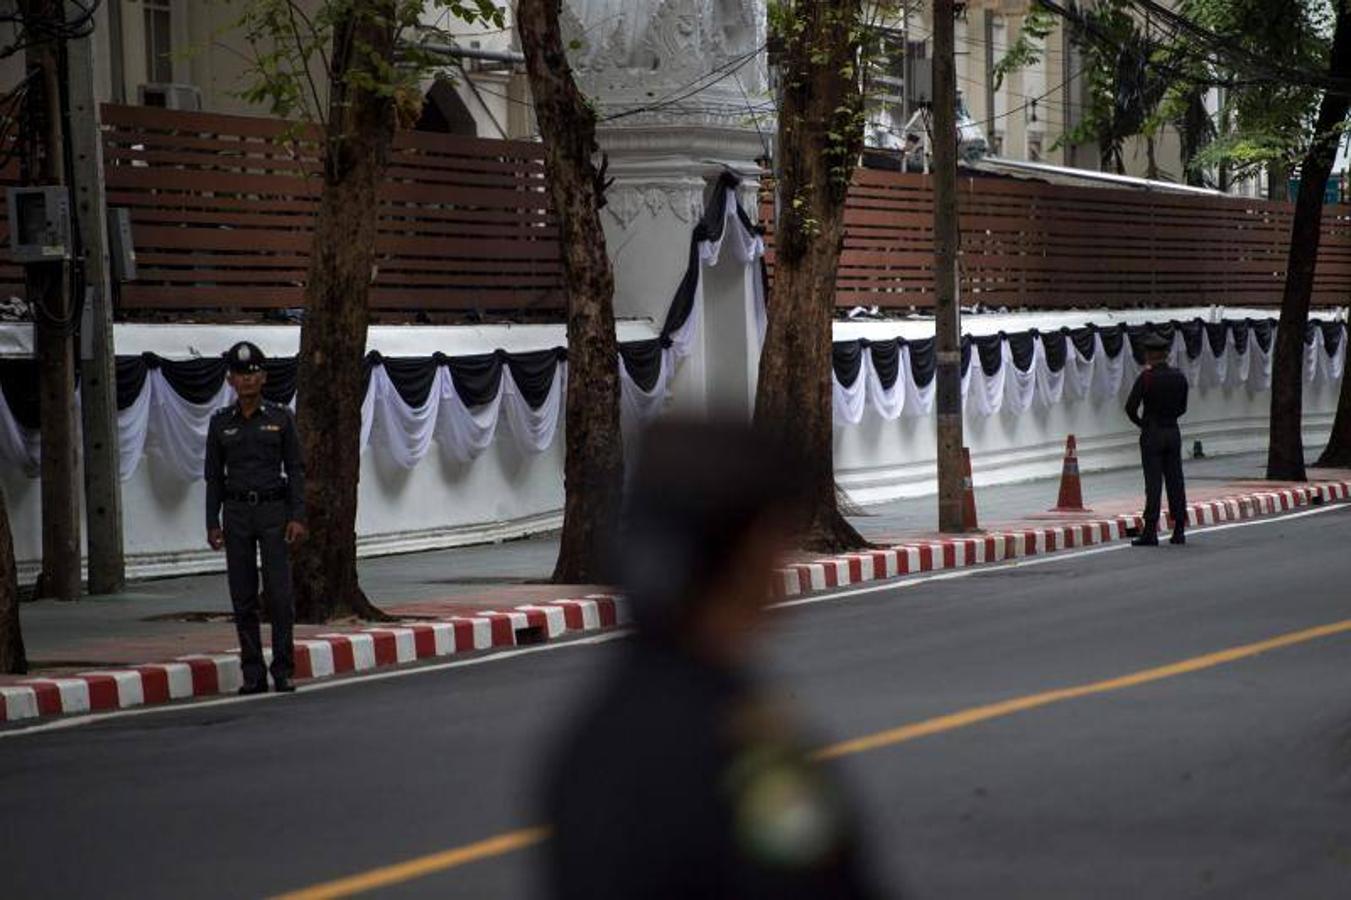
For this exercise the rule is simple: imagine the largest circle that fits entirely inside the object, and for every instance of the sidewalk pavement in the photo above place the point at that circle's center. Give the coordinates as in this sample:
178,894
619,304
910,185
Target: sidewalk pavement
172,638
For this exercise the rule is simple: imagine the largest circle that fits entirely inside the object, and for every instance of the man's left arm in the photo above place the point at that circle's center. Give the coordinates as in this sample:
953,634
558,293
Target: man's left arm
293,461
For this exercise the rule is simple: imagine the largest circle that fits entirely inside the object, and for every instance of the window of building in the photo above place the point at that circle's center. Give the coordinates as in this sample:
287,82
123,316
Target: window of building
159,63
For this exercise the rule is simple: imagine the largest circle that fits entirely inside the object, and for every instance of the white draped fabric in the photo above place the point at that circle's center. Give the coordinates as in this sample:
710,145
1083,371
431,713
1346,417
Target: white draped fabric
1100,377
162,424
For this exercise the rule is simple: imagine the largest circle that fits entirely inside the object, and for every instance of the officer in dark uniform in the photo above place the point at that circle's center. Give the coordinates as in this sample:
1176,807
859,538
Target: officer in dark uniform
255,473
683,777
1162,390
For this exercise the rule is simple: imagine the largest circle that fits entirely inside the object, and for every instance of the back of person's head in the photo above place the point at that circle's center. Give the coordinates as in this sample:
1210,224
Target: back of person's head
699,493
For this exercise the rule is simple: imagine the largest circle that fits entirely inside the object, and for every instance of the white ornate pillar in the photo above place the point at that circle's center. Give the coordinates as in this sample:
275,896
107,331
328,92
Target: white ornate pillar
680,88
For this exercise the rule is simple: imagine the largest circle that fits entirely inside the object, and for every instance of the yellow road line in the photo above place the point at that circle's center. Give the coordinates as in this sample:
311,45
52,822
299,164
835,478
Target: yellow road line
977,714
423,865
512,841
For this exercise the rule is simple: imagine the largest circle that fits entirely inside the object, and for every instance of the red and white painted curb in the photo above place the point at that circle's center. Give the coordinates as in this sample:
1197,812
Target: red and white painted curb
377,647
207,675
960,552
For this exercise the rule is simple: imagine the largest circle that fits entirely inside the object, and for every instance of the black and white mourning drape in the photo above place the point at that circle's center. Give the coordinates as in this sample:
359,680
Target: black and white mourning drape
458,403
1012,371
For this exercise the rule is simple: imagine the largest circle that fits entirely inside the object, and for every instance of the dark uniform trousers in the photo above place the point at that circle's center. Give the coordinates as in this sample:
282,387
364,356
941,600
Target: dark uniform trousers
1161,456
250,530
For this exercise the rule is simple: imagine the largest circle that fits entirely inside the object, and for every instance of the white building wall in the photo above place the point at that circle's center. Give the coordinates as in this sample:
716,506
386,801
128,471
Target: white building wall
508,493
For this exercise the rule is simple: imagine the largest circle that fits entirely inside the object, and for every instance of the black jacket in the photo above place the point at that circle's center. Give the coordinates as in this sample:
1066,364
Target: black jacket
1162,390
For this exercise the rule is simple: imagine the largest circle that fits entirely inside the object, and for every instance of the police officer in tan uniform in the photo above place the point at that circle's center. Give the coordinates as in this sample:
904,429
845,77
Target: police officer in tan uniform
255,505
684,777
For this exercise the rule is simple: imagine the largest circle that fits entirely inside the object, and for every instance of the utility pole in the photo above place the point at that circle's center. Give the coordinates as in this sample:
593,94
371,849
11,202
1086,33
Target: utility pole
98,382
43,162
947,325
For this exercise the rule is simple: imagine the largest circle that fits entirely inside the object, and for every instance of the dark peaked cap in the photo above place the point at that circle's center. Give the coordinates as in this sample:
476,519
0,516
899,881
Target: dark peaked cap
244,357
698,487
1155,341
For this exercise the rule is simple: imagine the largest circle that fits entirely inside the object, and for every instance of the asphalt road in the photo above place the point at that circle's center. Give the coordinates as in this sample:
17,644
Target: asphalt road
1232,781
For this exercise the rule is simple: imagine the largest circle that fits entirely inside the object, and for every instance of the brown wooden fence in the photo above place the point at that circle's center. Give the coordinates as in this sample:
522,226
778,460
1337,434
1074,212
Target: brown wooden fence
222,210
1027,243
223,206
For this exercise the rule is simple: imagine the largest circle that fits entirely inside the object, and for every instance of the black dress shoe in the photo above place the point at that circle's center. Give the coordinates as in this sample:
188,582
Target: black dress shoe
248,689
1145,542
283,686
1178,539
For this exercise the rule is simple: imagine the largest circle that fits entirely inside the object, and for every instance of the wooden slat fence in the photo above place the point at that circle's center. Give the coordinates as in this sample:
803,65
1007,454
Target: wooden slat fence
223,208
1032,244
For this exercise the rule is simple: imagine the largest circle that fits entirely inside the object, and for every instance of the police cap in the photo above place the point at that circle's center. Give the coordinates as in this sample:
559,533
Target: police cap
244,357
697,490
1154,342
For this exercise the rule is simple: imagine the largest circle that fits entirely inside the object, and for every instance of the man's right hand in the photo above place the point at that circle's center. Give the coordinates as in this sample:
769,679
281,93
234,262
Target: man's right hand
215,537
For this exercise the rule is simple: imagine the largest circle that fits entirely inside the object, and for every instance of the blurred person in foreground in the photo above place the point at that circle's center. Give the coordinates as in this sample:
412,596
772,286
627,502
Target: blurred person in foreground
681,778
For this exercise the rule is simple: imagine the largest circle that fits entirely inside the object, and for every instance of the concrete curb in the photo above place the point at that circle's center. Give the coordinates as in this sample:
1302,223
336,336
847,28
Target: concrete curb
957,553
206,675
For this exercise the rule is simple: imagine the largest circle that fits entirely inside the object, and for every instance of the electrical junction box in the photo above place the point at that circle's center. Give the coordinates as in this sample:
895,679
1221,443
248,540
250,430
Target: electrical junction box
39,224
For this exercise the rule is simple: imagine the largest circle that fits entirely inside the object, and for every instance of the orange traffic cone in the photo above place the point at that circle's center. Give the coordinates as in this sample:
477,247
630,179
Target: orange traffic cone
968,494
1071,492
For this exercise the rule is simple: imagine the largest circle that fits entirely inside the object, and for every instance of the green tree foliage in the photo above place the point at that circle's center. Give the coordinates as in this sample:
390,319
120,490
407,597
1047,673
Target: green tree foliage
1143,71
292,53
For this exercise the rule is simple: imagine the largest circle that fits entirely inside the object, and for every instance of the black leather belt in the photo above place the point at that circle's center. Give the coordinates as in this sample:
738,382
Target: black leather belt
253,498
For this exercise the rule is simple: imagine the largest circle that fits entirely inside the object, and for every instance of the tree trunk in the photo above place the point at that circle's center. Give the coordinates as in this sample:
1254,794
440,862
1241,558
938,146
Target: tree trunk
1337,454
820,134
13,660
43,162
358,135
1285,451
593,468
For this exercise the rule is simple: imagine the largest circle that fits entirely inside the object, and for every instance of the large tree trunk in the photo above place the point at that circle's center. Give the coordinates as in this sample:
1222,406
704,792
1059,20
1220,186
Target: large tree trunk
1337,454
594,465
820,134
358,135
43,161
13,660
1285,452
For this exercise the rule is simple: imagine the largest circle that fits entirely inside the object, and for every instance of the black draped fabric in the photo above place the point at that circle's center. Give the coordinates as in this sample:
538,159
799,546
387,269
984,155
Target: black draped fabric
1083,341
1056,345
710,228
1261,329
1021,348
1113,339
1238,331
1192,336
1218,334
886,360
1332,336
847,358
19,381
476,377
682,304
966,353
281,379
990,349
923,361
131,372
533,373
195,380
642,360
412,376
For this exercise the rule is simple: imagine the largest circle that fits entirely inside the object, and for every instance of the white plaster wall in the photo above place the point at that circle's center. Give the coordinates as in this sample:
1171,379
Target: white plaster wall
877,460
506,493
